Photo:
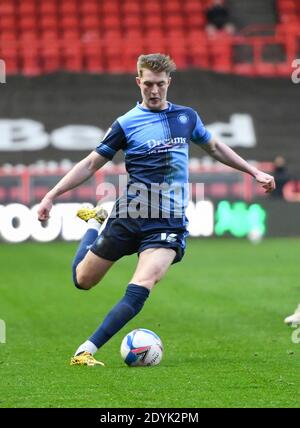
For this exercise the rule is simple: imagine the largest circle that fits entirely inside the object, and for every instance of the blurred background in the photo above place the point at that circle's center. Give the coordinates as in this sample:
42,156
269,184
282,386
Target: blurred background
70,71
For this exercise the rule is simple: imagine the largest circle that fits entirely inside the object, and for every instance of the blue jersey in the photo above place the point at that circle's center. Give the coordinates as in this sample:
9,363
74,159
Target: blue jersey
156,146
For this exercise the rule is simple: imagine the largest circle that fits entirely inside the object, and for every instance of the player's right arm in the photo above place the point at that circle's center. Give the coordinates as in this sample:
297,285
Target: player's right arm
81,172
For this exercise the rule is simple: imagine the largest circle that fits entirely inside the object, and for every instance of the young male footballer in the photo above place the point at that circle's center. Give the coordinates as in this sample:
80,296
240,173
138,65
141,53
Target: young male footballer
149,218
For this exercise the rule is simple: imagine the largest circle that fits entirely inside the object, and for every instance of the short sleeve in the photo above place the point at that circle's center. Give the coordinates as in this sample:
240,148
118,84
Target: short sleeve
200,134
113,141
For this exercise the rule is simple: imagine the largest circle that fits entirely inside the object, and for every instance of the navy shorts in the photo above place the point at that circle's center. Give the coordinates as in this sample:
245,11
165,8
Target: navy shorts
122,237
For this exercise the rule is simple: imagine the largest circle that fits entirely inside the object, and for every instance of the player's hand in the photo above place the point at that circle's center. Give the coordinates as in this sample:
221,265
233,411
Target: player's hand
44,209
266,180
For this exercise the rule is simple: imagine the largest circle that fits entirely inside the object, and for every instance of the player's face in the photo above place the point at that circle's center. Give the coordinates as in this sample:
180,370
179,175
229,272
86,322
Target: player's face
154,88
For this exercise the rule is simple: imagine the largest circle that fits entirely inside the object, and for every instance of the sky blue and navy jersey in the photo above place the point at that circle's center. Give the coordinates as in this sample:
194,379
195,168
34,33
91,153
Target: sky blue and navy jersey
156,146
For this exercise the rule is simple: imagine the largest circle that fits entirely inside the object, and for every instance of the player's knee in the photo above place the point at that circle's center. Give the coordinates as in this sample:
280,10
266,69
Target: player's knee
84,282
148,281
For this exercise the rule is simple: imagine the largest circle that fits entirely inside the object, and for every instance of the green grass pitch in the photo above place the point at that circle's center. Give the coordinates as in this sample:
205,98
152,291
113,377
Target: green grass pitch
219,313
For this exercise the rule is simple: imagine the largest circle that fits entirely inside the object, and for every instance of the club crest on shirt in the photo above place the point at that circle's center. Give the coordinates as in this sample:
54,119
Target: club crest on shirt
183,118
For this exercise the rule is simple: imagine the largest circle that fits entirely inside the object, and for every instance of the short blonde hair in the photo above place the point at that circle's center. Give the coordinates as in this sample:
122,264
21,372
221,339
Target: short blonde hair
155,62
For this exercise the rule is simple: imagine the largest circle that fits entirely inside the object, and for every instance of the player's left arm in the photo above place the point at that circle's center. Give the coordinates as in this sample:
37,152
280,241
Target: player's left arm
226,155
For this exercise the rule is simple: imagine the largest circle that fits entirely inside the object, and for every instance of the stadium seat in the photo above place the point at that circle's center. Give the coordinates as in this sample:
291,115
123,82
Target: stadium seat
93,57
195,22
111,22
131,8
174,21
152,9
47,8
10,55
68,7
172,8
26,8
8,23
72,57
131,22
110,8
48,23
7,9
27,23
90,8
50,56
90,23
152,22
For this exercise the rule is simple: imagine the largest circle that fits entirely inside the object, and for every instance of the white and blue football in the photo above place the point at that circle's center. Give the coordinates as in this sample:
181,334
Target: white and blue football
141,347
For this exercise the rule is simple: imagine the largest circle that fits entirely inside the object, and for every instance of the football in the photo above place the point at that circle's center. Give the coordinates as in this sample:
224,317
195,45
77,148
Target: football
141,347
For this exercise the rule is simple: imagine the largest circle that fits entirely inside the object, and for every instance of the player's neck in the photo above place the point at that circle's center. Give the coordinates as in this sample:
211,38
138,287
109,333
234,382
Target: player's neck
164,106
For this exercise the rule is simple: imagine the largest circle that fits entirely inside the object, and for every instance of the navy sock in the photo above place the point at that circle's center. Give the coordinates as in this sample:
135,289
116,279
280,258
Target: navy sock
129,306
85,244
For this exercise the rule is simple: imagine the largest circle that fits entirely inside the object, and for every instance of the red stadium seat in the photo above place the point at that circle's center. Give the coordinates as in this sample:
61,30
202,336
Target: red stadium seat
111,8
152,22
90,8
90,22
131,8
71,35
27,23
195,22
10,55
111,22
50,55
7,37
152,8
68,8
7,9
172,7
49,36
93,57
48,23
30,60
26,8
8,23
193,7
69,22
72,57
174,22
131,22
47,8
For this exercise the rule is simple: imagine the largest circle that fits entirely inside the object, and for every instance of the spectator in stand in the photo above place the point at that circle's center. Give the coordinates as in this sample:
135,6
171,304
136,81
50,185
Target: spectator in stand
217,16
281,176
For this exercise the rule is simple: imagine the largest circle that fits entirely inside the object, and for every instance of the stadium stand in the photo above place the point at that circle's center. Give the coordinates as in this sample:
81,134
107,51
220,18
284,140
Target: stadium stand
106,36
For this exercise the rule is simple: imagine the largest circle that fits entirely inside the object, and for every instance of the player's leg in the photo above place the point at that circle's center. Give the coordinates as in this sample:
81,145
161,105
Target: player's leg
88,269
91,270
152,265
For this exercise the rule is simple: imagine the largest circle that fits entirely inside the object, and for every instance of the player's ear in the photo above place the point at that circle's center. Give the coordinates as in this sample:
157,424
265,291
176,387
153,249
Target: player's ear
138,81
169,81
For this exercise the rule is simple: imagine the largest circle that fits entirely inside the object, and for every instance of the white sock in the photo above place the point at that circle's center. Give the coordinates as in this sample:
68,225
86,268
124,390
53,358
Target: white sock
93,224
87,346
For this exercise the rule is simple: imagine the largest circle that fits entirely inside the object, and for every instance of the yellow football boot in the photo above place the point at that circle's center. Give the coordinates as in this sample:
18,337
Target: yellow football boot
98,213
85,359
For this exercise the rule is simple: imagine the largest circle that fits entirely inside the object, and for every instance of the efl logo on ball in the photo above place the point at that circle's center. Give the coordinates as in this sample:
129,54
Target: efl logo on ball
141,347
